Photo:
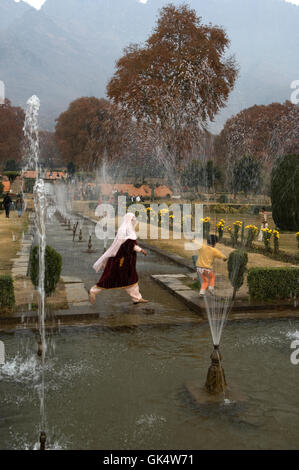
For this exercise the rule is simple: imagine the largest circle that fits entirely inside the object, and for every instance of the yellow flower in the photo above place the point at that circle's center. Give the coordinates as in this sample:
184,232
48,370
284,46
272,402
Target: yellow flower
238,222
251,227
276,233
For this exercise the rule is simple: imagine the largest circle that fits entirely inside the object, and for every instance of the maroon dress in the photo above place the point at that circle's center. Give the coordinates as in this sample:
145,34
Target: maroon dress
120,270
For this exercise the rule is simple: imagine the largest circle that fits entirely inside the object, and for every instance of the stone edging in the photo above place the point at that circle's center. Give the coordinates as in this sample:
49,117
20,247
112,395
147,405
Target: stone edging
239,310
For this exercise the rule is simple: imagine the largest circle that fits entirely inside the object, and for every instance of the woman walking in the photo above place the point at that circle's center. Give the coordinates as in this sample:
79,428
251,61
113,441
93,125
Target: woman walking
119,263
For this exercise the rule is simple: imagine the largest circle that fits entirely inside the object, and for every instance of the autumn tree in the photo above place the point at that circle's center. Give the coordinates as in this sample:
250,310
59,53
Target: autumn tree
285,136
50,155
178,80
255,131
11,132
250,132
90,128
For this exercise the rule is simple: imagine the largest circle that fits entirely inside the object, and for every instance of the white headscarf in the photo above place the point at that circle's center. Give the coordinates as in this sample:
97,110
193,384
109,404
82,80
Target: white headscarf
125,232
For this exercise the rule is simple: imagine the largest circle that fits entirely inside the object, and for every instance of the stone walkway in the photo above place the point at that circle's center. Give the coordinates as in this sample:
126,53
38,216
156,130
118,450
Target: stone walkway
239,310
25,293
76,293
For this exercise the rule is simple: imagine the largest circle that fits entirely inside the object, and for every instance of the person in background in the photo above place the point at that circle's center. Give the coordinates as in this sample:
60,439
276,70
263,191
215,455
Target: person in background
20,204
264,223
7,204
204,265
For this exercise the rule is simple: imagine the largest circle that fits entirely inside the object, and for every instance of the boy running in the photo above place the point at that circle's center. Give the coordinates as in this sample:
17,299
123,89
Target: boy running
204,265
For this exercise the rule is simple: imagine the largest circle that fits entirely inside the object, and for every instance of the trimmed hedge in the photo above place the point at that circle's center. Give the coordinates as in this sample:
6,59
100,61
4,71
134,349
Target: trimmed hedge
7,296
285,192
53,265
273,283
236,266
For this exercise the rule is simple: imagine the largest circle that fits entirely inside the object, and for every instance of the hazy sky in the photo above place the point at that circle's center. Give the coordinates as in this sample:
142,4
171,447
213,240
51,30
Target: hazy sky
38,3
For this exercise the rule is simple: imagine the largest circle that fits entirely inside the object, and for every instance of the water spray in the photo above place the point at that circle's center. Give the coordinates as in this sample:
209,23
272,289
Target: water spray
31,132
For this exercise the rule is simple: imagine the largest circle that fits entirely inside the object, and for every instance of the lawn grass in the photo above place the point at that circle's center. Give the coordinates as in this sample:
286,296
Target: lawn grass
9,228
287,240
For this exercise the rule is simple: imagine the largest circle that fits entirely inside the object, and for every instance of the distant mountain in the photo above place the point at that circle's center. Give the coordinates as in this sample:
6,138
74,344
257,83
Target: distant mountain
10,11
69,48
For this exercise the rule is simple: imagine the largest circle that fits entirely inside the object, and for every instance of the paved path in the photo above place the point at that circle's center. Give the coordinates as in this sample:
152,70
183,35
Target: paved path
115,307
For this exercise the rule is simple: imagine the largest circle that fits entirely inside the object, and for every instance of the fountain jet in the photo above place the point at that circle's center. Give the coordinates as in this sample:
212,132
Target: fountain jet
216,382
42,440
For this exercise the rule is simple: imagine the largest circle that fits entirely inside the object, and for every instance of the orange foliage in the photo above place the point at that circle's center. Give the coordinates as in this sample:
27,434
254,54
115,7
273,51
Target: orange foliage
88,130
178,80
252,132
11,132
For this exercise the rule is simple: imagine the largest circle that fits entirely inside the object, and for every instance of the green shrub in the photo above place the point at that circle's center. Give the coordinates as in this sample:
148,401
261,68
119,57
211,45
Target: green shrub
92,205
223,199
7,296
1,189
53,264
29,185
236,266
285,192
11,165
11,175
273,283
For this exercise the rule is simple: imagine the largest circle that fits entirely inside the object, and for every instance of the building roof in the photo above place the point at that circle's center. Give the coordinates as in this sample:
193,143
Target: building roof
29,174
6,186
144,190
163,191
54,175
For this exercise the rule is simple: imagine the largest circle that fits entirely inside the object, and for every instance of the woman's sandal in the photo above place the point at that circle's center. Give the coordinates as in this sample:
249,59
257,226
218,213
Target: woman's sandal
141,301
